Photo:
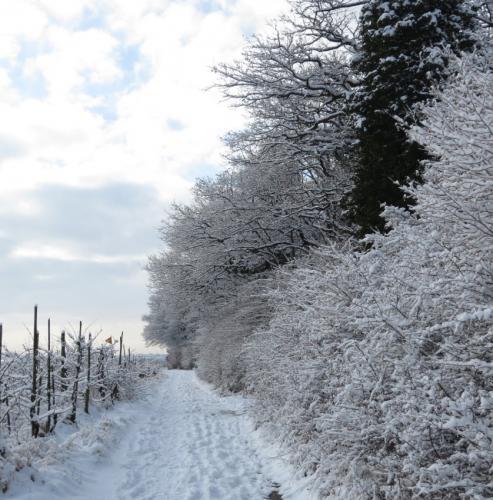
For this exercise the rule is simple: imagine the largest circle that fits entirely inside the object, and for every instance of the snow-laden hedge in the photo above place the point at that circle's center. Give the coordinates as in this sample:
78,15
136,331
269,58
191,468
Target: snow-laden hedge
376,370
221,339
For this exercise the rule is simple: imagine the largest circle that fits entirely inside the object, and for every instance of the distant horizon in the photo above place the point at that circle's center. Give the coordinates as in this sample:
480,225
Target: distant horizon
71,327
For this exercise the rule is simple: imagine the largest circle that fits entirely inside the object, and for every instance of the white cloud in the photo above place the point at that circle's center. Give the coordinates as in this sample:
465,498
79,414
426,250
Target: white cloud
98,92
66,253
19,21
65,10
74,58
66,136
44,277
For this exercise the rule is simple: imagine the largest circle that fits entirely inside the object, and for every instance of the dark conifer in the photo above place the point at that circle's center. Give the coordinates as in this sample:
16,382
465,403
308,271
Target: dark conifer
403,54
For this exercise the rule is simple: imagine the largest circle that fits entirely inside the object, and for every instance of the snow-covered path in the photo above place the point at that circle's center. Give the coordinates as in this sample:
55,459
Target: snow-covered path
186,443
178,441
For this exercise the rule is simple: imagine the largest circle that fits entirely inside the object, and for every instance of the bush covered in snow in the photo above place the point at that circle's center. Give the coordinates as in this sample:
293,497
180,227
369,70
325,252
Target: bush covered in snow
220,341
377,368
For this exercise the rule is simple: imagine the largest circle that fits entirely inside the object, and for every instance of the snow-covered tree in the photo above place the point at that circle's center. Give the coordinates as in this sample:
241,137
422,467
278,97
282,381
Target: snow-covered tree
253,217
294,84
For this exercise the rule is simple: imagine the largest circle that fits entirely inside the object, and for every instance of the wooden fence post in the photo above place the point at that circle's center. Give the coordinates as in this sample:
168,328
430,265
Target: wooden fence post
102,391
48,377
63,371
75,390
121,347
34,388
55,415
9,426
39,398
115,391
86,406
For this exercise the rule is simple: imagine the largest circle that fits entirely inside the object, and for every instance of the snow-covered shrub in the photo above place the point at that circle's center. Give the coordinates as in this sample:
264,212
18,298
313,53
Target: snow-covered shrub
221,340
377,368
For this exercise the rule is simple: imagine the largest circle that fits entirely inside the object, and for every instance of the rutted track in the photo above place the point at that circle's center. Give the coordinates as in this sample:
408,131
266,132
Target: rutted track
185,443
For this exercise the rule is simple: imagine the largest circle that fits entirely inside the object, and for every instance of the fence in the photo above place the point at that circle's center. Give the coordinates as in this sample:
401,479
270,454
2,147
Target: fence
42,386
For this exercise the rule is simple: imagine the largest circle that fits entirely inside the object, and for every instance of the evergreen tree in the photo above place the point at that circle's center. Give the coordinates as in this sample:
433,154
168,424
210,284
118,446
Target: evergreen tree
403,54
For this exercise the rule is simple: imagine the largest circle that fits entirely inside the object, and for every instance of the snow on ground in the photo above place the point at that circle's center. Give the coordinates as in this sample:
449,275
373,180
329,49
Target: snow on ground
179,441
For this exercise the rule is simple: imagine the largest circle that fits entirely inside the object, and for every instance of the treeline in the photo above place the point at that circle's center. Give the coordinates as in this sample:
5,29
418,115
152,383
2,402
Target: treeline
53,381
340,270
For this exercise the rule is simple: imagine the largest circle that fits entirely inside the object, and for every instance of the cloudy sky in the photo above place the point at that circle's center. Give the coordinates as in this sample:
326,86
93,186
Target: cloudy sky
104,122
